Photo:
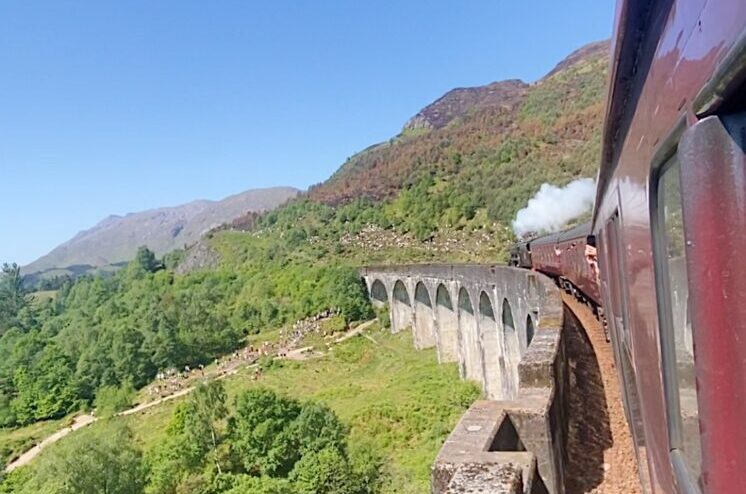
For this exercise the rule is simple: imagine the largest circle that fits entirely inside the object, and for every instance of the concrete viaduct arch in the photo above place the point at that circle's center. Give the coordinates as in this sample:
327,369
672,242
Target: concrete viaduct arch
401,307
476,315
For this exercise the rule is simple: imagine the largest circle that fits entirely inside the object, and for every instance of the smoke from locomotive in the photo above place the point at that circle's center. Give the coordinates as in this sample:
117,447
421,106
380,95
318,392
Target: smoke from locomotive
553,207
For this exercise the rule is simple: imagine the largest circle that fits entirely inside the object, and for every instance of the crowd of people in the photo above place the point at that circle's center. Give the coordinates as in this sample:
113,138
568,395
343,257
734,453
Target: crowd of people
291,338
172,380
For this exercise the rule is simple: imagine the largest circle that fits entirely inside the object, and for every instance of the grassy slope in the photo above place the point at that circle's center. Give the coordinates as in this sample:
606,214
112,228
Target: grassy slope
395,398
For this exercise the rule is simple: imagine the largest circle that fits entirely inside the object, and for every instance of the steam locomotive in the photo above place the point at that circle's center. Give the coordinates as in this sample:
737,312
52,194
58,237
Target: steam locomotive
669,226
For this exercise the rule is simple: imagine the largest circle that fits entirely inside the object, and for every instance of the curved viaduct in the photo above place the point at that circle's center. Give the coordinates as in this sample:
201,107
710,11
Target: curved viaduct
504,327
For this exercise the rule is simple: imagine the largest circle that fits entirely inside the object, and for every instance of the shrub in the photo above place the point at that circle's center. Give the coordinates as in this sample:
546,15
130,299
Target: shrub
112,399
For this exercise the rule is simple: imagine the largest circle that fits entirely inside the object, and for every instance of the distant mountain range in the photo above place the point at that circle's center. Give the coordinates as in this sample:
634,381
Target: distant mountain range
115,239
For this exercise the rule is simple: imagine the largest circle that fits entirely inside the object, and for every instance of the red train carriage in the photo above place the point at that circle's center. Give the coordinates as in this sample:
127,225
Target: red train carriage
670,222
562,256
544,255
577,272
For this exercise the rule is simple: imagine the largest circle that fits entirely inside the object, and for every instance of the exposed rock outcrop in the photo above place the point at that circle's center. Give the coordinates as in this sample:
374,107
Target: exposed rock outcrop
460,101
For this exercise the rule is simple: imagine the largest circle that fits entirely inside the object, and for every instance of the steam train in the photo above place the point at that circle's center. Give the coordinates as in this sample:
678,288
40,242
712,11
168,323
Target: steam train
669,226
563,257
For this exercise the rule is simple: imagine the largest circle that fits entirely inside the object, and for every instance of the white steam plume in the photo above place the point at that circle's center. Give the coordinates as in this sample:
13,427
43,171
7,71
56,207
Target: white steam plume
552,207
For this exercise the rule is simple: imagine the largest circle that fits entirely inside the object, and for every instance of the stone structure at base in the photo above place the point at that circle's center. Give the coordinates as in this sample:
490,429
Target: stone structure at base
503,326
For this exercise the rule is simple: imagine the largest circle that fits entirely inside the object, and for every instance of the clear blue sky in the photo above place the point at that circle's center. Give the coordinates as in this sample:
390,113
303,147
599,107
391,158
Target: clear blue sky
114,107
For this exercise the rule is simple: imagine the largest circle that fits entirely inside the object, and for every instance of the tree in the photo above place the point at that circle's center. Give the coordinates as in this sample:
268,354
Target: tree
12,295
204,409
11,282
316,428
246,484
113,399
324,472
348,294
46,388
7,417
259,432
145,259
173,458
271,433
169,462
99,459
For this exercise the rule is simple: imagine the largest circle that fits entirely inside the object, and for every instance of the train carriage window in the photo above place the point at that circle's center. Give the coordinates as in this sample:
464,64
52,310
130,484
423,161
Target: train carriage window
676,331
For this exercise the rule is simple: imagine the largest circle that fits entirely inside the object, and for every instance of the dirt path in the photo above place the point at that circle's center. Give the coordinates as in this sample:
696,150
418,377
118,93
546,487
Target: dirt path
300,354
356,331
85,420
80,421
601,458
149,404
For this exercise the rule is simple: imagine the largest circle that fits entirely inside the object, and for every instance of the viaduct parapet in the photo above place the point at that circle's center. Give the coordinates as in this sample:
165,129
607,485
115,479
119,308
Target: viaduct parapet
504,328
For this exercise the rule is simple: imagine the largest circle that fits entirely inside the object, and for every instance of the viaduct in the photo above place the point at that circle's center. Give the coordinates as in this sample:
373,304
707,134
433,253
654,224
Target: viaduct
504,328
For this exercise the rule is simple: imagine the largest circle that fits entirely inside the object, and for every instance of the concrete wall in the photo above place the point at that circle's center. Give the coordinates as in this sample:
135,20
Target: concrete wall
481,317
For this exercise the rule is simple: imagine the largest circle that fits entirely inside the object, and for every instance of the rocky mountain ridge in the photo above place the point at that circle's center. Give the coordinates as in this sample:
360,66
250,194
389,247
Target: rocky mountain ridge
116,238
458,102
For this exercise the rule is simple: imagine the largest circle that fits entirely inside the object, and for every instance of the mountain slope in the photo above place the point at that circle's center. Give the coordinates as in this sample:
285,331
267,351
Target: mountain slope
486,148
116,238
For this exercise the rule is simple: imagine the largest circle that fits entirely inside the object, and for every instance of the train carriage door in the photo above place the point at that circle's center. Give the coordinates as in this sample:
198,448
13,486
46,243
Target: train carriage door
677,350
712,174
615,299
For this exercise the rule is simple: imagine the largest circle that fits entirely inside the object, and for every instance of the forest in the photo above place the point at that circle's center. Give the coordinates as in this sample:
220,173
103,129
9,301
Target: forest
268,444
121,330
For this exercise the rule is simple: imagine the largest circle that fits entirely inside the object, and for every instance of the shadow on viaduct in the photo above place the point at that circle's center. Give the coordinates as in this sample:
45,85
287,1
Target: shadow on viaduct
503,326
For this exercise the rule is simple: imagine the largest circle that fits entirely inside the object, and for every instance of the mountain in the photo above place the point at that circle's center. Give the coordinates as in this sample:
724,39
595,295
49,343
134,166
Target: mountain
591,50
116,238
485,148
460,101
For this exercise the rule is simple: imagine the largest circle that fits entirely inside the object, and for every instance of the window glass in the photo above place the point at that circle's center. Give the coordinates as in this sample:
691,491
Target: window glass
679,334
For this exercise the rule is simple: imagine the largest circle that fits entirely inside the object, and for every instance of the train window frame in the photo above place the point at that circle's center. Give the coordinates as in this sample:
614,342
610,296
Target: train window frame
664,159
